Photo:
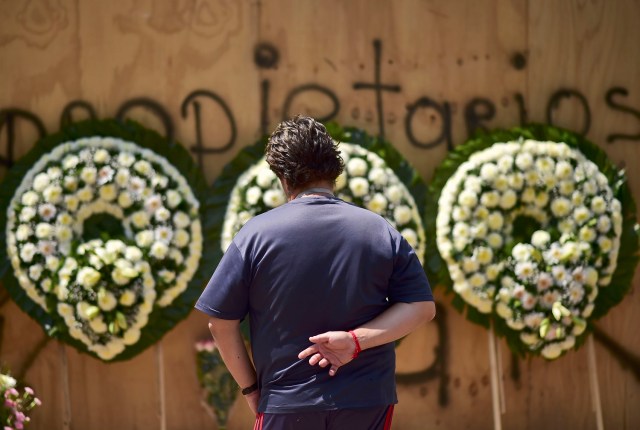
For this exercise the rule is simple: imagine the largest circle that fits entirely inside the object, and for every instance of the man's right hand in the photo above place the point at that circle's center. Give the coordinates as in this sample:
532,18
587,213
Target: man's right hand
333,348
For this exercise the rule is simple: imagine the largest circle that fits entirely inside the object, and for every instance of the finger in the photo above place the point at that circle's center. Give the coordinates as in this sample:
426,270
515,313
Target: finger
307,352
320,338
333,370
324,362
315,359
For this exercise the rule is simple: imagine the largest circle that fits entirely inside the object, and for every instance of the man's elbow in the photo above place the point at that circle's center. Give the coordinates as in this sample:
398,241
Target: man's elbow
428,311
219,326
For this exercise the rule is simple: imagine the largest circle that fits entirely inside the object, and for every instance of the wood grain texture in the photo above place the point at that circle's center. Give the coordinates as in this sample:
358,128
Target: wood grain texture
106,53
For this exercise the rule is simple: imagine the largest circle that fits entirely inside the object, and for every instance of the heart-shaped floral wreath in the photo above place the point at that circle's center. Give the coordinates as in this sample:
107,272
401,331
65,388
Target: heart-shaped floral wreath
104,237
534,230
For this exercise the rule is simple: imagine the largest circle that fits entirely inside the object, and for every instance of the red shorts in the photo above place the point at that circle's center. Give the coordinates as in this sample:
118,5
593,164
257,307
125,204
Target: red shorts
378,418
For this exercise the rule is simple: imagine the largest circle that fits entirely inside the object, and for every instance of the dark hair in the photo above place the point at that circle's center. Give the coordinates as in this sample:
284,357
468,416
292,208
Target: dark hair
301,151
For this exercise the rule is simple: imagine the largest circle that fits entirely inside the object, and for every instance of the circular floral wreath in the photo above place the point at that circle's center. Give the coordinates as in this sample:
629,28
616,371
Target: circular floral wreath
375,177
534,230
104,236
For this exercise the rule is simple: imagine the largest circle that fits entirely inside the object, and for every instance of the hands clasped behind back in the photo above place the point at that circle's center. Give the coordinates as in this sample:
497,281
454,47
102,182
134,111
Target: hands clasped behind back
334,348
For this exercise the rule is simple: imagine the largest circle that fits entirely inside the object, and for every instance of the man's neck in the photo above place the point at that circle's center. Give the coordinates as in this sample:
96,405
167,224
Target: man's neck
317,189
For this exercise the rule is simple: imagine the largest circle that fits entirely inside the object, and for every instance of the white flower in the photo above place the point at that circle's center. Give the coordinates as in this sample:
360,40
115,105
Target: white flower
140,219
64,233
133,253
126,159
137,185
30,198
65,310
359,186
174,198
108,192
581,214
357,167
528,195
143,167
70,162
560,207
529,338
552,350
393,193
253,195
563,170
89,175
484,255
492,271
162,214
525,270
533,320
265,178
44,230
101,156
163,234
470,265
468,199
378,176
605,244
35,271
560,273
495,221
531,177
460,213
545,164
167,275
410,236
71,183
125,200
159,250
181,238
131,336
153,203
378,204
127,298
477,280
273,198
85,194
402,215
504,311
159,181
98,325
541,200
27,213
495,240
41,181
122,177
88,277
490,199
508,199
23,232
52,194
540,238
576,293
46,247
144,238
598,205
176,256
567,188
544,281
106,300
604,224
488,171
524,161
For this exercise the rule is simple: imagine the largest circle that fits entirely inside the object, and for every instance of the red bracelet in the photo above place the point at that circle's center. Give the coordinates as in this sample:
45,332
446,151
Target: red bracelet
355,339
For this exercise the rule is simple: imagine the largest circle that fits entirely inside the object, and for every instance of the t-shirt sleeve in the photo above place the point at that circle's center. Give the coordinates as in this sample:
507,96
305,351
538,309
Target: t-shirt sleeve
408,281
226,296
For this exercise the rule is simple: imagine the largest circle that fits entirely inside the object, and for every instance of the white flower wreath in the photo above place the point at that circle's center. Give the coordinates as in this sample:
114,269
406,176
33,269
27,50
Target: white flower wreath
366,181
103,291
546,287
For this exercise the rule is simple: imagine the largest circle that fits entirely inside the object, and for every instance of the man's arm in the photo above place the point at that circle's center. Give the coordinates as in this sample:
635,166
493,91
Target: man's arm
337,347
228,338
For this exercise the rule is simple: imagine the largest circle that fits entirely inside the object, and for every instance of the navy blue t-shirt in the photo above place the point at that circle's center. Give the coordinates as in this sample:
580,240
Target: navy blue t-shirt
313,265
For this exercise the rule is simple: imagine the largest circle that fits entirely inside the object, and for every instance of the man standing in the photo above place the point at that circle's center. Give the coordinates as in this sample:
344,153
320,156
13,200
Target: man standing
326,284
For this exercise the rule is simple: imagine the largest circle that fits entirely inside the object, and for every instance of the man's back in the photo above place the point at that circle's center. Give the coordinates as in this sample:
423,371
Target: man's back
318,264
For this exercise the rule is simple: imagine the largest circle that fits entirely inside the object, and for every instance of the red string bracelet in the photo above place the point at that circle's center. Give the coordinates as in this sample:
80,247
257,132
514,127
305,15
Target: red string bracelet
358,349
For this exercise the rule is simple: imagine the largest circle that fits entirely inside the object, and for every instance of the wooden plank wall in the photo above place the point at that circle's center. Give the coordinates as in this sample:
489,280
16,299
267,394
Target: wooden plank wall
106,53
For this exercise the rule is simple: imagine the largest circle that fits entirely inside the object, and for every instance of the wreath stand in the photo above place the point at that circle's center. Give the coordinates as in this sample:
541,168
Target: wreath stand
497,382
